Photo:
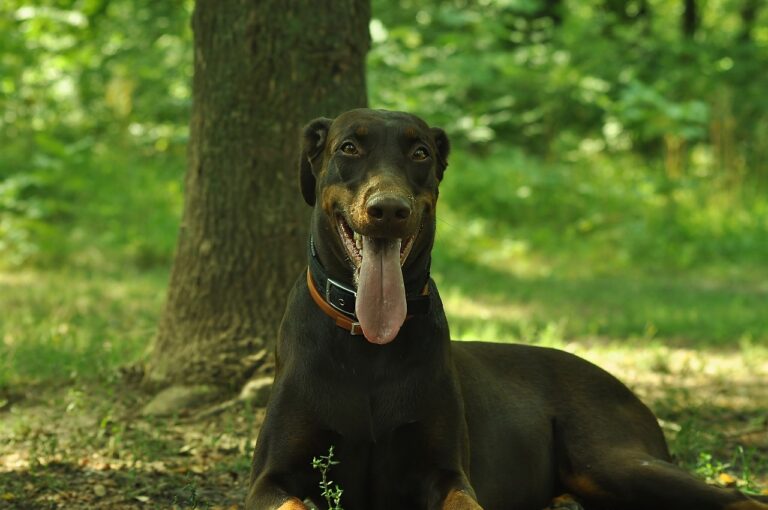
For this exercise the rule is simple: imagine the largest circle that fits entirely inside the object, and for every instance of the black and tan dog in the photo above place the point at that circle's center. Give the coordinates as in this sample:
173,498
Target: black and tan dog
366,364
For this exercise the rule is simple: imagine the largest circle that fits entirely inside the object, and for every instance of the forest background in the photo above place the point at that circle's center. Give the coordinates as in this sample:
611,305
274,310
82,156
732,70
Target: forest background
607,194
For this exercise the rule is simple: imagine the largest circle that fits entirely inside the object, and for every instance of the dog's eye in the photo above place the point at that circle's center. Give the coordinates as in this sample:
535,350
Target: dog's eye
348,148
420,154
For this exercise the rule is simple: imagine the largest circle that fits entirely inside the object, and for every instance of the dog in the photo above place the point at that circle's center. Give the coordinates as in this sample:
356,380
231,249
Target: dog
365,364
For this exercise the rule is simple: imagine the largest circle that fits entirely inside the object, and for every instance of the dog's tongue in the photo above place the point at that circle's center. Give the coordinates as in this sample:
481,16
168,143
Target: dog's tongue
381,306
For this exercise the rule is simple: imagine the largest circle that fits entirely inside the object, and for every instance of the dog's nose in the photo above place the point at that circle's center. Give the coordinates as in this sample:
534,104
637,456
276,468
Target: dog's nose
388,209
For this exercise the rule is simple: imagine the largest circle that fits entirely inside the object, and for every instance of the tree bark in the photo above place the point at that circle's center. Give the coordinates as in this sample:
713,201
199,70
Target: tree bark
623,14
262,68
748,13
690,21
552,9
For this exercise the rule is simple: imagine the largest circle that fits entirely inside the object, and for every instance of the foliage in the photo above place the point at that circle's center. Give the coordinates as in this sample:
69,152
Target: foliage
94,96
618,210
587,106
331,493
551,76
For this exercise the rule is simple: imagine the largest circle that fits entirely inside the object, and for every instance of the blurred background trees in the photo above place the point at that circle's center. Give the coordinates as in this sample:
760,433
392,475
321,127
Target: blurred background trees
621,105
95,100
653,78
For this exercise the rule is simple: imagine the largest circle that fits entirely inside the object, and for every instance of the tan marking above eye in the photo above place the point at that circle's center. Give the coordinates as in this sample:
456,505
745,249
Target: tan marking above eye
411,132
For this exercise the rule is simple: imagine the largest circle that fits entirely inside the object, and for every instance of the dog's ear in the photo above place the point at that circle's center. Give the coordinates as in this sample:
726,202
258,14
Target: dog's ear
313,139
443,148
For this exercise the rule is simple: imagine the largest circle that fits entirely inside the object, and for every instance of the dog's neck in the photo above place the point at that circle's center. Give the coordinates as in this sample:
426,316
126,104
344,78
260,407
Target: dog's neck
340,293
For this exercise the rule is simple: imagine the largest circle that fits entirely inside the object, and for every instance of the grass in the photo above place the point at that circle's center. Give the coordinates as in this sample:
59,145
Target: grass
60,326
331,492
494,301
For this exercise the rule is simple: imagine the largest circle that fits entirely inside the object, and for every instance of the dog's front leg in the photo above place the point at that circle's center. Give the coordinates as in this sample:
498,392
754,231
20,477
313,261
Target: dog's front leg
282,473
447,441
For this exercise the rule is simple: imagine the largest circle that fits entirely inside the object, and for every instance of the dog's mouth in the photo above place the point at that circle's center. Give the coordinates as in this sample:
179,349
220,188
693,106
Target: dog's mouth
354,245
380,305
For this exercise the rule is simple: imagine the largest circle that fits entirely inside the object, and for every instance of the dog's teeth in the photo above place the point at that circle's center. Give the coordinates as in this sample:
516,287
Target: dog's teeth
359,241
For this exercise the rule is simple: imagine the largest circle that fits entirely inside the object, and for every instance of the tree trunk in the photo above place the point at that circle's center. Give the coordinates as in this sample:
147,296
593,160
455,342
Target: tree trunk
690,22
552,9
263,68
626,13
748,13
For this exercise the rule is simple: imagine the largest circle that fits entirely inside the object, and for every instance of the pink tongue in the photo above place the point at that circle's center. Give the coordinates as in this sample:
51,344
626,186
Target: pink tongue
381,306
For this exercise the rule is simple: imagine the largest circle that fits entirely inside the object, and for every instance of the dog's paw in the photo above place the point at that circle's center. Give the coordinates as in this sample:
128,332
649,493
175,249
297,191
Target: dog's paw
460,500
564,502
311,505
293,504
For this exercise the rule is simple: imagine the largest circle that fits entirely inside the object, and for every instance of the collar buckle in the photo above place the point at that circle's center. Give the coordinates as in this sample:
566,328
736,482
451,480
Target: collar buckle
340,297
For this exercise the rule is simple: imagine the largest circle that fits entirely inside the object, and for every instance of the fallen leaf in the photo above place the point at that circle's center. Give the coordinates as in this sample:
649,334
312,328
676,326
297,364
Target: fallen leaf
726,480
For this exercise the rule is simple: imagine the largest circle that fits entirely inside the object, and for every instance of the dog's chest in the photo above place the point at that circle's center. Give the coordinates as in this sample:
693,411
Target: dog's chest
364,392
369,412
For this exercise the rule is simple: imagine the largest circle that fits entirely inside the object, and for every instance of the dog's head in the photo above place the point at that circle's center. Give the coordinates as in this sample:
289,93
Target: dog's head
373,173
372,177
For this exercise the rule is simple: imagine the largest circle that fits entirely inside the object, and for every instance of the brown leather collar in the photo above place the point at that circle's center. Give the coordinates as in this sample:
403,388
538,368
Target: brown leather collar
342,320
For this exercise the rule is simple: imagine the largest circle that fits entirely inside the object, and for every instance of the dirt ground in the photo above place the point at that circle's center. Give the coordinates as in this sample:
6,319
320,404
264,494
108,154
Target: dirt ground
79,447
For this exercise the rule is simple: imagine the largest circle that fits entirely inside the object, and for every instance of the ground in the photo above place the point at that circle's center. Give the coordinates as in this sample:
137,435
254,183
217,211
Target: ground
87,446
72,436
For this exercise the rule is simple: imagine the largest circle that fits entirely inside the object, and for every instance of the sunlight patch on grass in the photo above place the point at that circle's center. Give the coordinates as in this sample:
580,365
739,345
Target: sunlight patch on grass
496,286
483,310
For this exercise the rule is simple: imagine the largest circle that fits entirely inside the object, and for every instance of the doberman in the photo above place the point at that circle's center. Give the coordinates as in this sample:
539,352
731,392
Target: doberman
365,364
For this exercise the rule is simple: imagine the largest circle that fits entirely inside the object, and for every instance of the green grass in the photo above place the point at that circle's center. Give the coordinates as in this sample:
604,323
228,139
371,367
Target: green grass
76,325
495,302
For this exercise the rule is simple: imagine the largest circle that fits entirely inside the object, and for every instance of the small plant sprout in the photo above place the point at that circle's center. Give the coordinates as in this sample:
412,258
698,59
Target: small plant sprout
331,493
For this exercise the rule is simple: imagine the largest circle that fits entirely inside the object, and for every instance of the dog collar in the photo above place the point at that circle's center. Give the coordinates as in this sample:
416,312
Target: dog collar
337,300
